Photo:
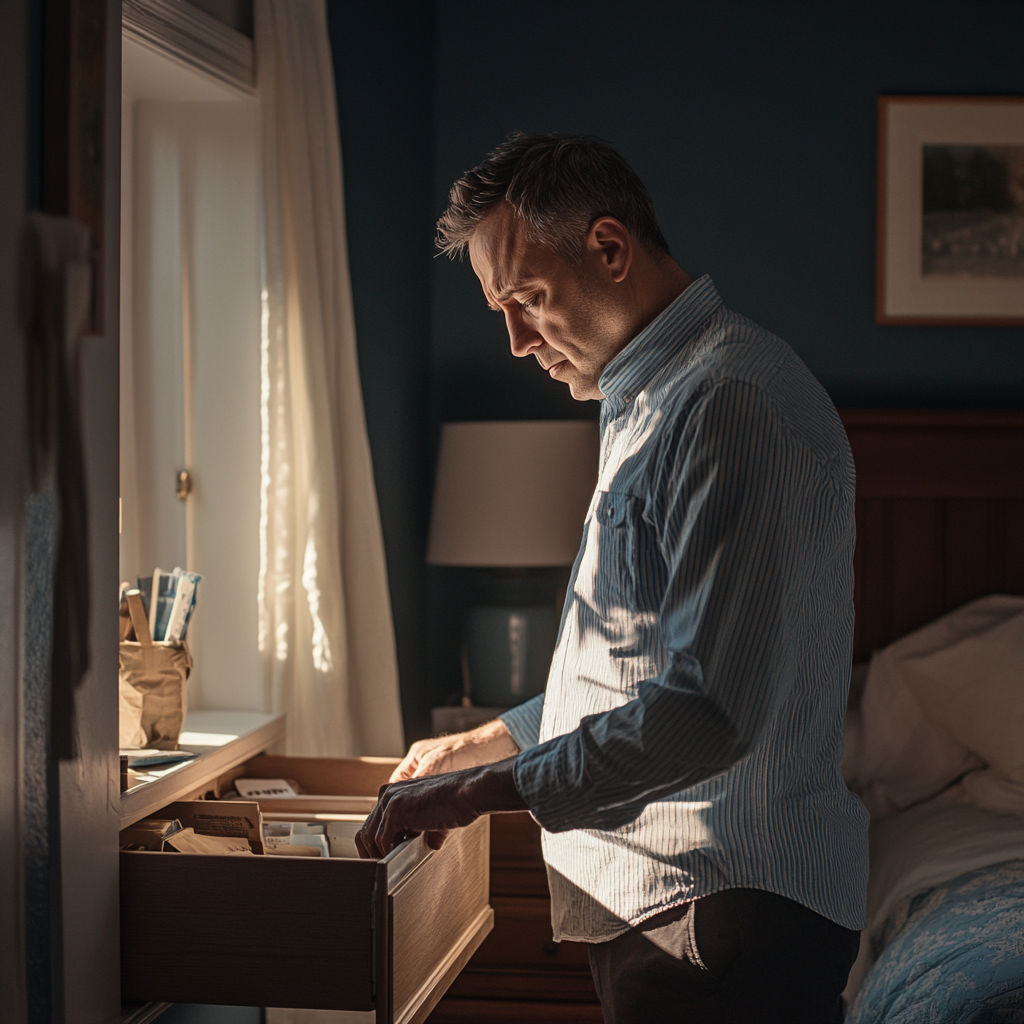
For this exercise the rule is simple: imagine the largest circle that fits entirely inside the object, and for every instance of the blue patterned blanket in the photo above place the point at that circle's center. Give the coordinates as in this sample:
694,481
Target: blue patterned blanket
951,955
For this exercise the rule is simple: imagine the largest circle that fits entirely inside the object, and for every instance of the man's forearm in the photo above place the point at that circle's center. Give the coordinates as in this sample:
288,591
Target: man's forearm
484,745
435,804
488,743
602,774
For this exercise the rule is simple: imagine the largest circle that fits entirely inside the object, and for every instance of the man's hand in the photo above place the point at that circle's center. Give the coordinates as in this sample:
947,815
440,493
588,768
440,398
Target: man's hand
436,804
485,745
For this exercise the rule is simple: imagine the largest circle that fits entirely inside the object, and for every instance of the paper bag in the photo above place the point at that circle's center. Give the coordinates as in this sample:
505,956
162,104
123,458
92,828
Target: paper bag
152,686
130,731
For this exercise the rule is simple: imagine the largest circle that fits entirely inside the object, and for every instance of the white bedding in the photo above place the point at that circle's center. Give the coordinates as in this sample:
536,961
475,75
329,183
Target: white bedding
933,843
922,847
935,747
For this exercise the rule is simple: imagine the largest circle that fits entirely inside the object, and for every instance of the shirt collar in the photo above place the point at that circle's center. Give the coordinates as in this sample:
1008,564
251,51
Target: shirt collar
631,370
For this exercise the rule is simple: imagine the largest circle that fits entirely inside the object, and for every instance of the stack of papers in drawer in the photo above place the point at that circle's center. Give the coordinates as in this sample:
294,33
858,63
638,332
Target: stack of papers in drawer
295,839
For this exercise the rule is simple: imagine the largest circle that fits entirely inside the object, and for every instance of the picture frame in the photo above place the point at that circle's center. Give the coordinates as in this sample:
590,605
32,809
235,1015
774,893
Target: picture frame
950,234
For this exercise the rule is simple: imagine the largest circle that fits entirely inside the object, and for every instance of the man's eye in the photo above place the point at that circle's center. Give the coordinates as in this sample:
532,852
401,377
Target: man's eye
529,303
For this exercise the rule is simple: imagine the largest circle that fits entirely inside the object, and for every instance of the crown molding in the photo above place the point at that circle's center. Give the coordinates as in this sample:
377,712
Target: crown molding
187,34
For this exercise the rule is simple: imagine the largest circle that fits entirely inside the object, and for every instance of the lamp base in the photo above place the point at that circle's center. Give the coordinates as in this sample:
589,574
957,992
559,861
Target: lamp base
509,651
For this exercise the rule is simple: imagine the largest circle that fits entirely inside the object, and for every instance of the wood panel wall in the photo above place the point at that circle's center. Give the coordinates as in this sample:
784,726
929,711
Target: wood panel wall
940,515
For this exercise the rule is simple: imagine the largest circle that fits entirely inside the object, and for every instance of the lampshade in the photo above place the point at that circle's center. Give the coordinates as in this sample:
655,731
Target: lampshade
512,494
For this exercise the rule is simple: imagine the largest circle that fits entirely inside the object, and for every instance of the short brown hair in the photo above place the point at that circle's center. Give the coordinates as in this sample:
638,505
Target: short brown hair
559,185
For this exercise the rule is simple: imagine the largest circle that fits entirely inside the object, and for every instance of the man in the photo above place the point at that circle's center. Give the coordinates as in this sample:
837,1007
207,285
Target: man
684,760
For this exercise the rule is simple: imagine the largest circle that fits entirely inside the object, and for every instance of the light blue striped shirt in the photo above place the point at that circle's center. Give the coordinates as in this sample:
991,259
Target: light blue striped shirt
690,738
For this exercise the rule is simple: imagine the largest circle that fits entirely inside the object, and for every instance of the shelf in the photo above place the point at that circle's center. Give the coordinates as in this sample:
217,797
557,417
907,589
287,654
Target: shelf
221,738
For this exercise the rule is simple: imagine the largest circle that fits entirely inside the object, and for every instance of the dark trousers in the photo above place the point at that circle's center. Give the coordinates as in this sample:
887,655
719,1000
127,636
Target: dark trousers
741,955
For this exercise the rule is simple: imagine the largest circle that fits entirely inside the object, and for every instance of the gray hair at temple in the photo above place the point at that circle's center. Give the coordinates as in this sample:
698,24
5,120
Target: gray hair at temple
559,185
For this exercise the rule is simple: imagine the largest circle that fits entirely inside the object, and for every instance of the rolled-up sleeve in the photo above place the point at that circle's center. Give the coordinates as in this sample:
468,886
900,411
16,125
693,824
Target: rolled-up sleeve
523,722
726,506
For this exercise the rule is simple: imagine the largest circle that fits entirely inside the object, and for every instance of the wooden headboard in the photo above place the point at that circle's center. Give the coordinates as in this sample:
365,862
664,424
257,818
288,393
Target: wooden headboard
940,515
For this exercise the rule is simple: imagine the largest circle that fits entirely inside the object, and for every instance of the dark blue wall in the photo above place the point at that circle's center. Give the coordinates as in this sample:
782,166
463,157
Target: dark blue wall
752,123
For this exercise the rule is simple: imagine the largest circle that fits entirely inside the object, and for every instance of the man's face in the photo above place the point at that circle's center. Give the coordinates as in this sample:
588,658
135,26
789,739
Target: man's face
560,313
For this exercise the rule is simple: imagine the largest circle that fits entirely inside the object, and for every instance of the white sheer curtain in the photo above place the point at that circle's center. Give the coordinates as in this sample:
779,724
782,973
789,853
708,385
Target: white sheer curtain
326,634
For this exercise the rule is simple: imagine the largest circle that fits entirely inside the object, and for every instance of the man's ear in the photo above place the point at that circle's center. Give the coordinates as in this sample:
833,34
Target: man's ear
611,245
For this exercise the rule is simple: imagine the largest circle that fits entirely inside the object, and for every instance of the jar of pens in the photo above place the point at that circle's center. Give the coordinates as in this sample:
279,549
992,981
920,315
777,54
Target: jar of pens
154,658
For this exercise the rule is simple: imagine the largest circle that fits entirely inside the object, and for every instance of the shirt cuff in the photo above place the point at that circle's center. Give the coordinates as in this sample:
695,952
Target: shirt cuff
523,722
531,774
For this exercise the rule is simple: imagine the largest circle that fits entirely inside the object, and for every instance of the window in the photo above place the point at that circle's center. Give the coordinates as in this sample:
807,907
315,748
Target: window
190,353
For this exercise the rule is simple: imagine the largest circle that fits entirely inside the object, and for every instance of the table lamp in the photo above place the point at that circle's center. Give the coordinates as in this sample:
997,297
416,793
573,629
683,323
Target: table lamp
511,496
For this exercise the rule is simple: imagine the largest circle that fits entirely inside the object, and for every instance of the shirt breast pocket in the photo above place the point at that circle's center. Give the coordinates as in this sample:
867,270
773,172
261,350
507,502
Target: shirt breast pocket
616,561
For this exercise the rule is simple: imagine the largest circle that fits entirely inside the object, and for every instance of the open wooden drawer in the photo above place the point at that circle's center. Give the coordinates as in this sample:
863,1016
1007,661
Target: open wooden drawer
388,935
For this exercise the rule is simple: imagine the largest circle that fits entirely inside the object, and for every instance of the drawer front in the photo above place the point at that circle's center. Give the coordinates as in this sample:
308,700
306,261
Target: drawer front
308,933
247,931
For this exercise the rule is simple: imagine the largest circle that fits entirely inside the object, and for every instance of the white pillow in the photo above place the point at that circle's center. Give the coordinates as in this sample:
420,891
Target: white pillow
974,689
988,789
895,757
898,752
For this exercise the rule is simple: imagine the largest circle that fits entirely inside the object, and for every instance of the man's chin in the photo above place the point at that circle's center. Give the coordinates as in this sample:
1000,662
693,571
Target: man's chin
584,391
580,386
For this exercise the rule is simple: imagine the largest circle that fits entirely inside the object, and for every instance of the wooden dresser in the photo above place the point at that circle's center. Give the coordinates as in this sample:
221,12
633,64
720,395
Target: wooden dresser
519,974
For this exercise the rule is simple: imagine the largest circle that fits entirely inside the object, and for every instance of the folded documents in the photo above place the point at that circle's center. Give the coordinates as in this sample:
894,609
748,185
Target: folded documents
187,841
221,818
198,826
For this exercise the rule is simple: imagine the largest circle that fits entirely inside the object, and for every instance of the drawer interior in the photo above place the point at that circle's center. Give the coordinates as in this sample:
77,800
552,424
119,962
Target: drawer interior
323,776
307,932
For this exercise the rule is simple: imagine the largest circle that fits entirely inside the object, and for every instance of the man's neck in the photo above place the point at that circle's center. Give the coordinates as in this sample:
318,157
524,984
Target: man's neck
661,284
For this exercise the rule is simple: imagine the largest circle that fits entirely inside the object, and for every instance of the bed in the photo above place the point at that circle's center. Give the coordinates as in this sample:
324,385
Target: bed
935,733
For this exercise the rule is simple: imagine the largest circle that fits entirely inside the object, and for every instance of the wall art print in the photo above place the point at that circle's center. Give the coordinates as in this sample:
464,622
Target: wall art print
950,210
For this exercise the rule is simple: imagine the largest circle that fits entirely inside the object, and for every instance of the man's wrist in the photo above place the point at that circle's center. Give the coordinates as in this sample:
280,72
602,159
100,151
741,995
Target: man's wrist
491,788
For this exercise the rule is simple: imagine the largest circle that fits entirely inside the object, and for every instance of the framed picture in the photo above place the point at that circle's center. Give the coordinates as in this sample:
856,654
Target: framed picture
950,210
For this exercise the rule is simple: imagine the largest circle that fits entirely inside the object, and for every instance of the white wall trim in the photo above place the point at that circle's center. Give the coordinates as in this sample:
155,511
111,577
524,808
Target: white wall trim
177,29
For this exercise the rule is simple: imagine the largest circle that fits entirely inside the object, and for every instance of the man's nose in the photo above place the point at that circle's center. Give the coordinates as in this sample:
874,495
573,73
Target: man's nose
523,338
